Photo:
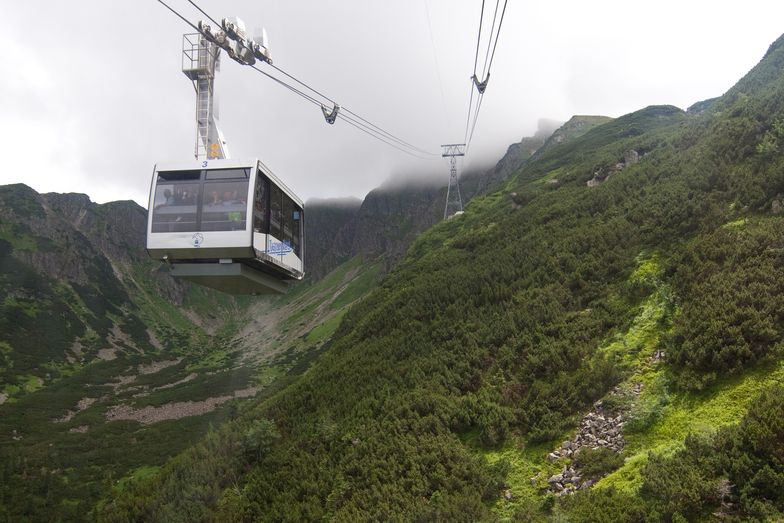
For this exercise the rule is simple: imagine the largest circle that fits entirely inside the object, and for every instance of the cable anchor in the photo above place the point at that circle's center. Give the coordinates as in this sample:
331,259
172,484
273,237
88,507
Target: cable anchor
481,86
330,115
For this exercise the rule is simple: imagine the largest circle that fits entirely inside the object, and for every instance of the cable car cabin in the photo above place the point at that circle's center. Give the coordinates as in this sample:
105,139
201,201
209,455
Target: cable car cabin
227,224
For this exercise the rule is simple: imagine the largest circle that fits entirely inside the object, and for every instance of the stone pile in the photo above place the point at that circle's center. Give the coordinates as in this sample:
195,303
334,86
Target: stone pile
598,429
568,481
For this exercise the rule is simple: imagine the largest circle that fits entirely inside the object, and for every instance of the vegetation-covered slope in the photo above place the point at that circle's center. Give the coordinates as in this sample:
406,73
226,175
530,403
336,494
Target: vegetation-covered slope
108,366
386,222
501,329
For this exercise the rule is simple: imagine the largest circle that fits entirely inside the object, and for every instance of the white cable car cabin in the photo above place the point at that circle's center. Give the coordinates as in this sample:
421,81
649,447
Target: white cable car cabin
226,224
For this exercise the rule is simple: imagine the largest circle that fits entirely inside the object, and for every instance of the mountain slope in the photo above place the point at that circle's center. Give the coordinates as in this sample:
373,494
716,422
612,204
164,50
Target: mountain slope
103,353
390,217
506,325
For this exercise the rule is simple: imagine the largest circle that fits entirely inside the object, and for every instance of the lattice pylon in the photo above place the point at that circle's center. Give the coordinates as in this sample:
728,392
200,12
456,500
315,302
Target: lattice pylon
454,201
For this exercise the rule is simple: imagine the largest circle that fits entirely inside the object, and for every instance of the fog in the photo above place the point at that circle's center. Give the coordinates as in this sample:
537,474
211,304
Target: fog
92,95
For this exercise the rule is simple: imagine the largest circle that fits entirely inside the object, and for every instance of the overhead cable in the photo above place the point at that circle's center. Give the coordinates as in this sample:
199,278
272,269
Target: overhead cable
479,36
178,14
500,23
363,124
490,40
371,132
211,19
492,43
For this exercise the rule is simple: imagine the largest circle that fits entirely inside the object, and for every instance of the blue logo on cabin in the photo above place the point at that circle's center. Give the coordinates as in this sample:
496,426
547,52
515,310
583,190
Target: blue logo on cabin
197,239
279,248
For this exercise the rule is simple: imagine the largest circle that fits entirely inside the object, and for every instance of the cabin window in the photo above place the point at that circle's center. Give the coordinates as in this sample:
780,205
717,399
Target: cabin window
224,205
227,174
260,204
288,221
178,176
276,211
174,207
296,242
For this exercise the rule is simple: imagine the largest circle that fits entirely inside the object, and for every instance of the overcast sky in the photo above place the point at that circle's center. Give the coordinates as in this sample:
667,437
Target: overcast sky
91,93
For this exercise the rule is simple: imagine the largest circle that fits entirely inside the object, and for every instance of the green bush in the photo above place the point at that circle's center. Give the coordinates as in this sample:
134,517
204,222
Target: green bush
595,463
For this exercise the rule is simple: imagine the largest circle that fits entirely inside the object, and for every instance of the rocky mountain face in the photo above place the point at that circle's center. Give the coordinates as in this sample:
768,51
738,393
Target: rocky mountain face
328,233
480,182
577,126
384,224
50,270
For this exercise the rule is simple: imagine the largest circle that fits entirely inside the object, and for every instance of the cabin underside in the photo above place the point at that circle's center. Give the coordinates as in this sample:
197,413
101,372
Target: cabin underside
231,278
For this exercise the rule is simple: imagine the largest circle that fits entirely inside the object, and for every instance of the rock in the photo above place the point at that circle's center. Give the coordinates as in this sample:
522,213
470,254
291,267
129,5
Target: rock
552,457
602,442
555,478
558,487
508,495
631,157
566,445
776,207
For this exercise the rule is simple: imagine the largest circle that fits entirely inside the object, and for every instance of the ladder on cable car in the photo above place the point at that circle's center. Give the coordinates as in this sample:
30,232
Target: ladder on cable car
200,60
204,108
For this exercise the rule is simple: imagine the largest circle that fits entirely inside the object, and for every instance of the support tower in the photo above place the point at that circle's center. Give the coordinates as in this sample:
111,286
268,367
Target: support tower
454,202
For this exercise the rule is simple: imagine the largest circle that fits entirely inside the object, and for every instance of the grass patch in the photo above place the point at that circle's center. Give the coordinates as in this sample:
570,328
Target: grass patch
359,286
524,462
736,224
325,330
640,340
14,235
28,307
688,413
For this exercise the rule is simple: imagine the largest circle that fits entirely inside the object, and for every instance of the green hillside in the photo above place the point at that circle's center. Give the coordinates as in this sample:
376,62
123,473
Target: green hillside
639,264
108,366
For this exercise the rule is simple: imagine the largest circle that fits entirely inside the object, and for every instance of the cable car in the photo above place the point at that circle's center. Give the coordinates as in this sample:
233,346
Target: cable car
227,224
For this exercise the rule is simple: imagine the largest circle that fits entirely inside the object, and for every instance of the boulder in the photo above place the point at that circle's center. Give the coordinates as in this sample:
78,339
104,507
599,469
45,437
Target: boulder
631,157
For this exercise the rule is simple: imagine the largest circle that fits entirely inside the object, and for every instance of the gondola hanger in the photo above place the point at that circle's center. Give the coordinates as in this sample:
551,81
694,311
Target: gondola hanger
481,86
331,115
